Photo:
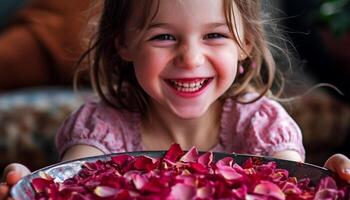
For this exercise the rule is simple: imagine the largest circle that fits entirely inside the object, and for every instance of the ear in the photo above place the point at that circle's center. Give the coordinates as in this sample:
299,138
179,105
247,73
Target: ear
247,49
123,50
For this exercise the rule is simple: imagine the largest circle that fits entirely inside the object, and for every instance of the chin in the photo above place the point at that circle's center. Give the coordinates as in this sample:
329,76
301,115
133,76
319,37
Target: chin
189,113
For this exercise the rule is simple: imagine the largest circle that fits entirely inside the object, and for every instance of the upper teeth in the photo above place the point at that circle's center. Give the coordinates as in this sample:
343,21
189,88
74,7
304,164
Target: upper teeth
194,84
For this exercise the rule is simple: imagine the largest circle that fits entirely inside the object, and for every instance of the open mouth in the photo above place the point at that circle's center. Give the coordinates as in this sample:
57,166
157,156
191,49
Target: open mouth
189,85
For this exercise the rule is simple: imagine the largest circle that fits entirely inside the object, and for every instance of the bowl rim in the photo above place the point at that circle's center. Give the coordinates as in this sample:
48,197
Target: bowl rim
314,172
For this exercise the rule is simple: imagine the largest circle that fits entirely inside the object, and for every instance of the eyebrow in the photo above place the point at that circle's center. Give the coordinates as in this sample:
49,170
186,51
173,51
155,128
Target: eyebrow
166,25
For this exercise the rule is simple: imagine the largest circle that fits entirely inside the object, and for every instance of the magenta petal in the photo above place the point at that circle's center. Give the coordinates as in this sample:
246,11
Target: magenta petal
105,191
327,182
241,192
143,163
130,175
197,167
227,161
121,159
205,192
206,159
174,153
190,156
328,194
186,179
153,186
228,173
140,181
39,184
182,192
291,188
269,189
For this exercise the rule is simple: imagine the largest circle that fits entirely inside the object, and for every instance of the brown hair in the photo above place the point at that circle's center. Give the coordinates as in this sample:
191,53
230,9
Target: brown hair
114,79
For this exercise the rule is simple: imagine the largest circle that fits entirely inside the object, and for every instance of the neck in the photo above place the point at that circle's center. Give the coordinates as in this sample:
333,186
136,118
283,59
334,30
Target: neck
161,128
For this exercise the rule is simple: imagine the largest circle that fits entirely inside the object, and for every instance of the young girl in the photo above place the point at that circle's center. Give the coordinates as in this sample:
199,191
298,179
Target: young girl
194,72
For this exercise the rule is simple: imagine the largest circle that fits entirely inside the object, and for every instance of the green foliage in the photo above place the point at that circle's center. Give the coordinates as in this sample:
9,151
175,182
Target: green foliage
334,14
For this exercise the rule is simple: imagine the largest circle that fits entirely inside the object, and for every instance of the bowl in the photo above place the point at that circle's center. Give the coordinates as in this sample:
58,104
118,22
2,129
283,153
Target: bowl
64,170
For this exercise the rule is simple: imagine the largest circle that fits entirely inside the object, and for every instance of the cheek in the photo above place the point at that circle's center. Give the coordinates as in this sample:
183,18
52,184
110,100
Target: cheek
226,63
148,68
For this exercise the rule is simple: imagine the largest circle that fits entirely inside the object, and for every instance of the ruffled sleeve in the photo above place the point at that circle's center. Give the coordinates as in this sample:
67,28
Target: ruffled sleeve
264,128
100,126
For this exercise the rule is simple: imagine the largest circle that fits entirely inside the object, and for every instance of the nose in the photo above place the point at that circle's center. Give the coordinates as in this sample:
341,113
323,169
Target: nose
190,55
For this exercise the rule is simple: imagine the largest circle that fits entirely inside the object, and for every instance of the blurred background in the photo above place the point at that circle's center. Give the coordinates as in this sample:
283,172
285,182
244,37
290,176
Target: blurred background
40,41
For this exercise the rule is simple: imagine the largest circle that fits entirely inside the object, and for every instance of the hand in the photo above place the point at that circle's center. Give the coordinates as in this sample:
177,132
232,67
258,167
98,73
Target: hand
340,164
12,174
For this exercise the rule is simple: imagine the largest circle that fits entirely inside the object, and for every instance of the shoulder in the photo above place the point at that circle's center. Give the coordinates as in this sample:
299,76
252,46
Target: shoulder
97,124
264,126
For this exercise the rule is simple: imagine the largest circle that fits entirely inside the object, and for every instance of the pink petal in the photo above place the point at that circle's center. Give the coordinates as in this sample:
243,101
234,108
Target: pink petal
228,173
328,194
240,192
182,192
190,156
187,179
205,192
105,191
290,188
269,189
227,161
206,159
140,181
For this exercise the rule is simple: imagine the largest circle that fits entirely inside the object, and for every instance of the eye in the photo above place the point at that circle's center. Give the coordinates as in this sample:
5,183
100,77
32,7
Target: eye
214,36
163,37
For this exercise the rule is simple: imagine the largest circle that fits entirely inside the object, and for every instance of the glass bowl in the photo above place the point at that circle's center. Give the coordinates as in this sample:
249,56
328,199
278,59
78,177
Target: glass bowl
64,170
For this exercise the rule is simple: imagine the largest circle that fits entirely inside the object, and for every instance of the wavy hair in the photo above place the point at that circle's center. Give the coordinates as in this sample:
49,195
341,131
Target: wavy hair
114,79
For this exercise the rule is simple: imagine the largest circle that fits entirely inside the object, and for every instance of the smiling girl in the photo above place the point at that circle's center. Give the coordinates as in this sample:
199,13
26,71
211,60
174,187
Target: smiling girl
197,73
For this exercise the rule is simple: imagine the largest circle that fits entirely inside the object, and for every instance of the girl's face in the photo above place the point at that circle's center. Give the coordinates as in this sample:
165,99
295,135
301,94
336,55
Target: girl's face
187,57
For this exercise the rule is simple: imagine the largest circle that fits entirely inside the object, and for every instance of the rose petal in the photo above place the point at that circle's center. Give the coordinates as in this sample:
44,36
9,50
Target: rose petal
39,184
182,192
174,153
121,159
105,191
140,181
227,161
206,159
269,189
190,156
205,192
228,173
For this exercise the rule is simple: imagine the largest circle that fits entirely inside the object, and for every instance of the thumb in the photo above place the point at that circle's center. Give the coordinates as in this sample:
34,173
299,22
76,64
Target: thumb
339,164
14,172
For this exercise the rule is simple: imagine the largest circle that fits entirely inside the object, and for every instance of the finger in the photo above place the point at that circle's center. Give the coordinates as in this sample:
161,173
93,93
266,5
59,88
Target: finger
17,167
4,189
339,164
13,177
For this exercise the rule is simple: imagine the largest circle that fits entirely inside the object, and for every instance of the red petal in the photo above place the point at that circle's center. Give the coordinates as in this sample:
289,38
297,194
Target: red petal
39,184
206,159
227,161
269,189
190,156
174,153
121,159
182,192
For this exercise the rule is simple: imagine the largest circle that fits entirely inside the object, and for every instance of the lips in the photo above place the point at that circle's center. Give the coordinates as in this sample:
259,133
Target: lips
188,85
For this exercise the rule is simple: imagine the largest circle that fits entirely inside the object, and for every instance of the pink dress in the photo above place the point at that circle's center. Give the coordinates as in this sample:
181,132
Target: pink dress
260,128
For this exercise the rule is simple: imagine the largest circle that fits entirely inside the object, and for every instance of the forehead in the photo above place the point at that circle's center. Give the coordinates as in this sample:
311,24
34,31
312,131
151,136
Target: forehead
146,11
194,10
